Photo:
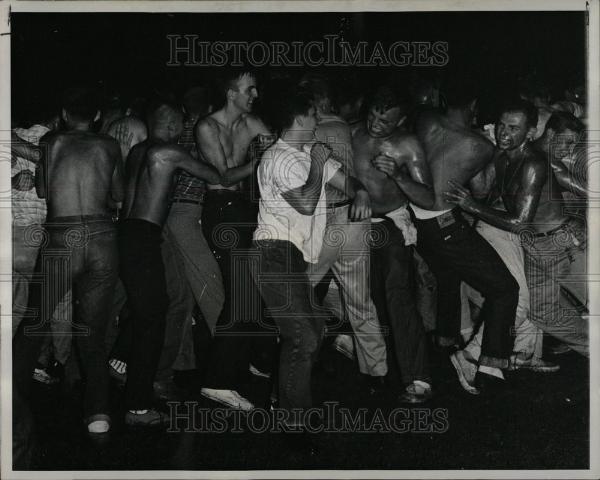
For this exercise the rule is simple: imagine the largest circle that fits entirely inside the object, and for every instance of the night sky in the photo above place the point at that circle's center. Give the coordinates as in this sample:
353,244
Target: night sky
129,52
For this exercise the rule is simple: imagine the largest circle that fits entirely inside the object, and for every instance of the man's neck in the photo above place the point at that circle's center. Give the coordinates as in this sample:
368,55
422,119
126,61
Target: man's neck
517,153
294,138
80,127
230,114
457,117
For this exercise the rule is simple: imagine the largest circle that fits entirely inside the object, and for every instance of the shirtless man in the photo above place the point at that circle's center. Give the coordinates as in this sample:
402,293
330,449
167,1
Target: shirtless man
150,174
81,179
453,249
534,209
348,258
391,164
224,140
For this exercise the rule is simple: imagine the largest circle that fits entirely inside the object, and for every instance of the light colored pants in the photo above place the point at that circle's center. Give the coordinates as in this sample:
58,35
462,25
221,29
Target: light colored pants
528,337
346,252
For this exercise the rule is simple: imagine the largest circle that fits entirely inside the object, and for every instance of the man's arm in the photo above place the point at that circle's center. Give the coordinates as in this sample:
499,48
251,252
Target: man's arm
361,206
304,198
573,179
41,170
117,186
209,146
410,172
178,157
526,200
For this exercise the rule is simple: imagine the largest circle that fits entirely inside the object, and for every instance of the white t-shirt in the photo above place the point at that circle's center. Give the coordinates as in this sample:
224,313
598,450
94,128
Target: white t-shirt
283,168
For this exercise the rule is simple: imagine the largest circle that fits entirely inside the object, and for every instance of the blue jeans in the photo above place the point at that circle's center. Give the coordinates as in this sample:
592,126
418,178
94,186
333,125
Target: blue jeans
286,290
80,253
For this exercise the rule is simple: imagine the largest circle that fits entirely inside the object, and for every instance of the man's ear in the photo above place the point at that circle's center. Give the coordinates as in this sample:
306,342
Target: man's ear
64,115
210,109
231,94
128,112
97,117
473,105
401,121
299,120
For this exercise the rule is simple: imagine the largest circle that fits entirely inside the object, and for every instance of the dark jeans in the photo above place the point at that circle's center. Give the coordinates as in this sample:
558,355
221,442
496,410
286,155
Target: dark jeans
143,274
228,221
394,295
455,252
286,290
81,253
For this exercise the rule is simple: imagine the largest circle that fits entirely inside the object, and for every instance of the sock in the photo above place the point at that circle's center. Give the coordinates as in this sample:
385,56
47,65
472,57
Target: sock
495,372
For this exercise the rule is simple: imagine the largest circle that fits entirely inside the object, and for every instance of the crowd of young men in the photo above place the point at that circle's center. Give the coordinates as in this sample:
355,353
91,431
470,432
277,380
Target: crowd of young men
157,221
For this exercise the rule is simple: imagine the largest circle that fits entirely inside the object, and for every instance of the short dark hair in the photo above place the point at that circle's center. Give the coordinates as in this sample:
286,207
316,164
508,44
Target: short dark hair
81,103
294,100
317,84
229,77
526,108
460,90
561,121
156,104
387,97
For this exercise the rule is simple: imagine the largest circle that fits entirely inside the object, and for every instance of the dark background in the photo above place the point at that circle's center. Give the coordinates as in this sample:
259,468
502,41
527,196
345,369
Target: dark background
128,52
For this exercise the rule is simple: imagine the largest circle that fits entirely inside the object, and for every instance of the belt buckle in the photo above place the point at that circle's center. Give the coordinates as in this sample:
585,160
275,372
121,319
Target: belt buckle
446,219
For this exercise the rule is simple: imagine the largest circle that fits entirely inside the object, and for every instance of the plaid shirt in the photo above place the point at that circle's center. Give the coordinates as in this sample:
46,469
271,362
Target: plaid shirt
27,207
188,187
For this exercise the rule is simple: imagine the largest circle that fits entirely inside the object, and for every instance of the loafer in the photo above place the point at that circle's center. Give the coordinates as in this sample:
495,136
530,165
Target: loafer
345,345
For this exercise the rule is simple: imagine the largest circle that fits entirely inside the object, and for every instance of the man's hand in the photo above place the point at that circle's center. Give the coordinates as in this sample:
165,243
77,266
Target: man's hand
388,165
361,206
459,195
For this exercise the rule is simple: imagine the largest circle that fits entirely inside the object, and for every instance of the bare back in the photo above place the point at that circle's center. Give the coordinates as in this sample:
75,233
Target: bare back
80,169
452,152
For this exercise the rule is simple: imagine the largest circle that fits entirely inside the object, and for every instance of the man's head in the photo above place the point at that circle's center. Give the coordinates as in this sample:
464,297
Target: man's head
196,101
298,114
79,106
239,87
562,132
319,87
165,121
387,111
460,95
516,125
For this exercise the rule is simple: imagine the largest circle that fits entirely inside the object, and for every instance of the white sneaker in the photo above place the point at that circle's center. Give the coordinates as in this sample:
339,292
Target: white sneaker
345,345
230,398
256,372
466,372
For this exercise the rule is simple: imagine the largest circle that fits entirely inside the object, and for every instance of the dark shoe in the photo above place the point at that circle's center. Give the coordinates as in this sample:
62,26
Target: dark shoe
489,384
152,418
416,393
375,385
166,390
560,349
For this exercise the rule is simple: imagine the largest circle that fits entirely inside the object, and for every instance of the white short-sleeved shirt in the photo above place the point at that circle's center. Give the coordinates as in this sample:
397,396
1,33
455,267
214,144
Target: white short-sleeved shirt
283,168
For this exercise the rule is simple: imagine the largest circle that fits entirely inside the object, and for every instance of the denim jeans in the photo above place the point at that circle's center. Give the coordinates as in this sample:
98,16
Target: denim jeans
143,274
455,252
81,254
393,290
286,289
548,263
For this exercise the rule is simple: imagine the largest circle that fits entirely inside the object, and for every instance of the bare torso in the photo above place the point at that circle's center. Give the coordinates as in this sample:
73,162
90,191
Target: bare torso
512,178
384,192
234,142
80,172
452,152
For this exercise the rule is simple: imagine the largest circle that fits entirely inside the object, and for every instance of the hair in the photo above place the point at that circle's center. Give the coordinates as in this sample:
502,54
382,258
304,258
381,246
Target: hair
153,115
387,97
561,121
317,85
526,108
229,78
80,103
196,100
294,100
